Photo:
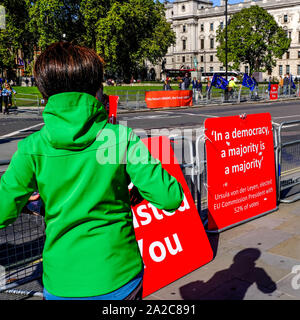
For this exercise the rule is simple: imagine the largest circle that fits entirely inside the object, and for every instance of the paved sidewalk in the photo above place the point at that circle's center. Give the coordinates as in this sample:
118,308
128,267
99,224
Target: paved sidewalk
253,261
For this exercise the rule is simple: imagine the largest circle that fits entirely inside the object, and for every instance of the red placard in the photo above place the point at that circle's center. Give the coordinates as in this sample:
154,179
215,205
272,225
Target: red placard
274,92
169,98
113,108
240,169
171,244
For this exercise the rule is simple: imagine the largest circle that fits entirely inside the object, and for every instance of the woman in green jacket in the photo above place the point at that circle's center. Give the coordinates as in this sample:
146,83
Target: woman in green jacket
81,165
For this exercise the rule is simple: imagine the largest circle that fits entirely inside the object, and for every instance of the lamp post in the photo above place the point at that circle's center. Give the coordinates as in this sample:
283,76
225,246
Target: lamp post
226,49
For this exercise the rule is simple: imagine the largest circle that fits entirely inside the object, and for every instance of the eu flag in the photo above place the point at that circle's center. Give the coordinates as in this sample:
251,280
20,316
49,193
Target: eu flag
219,82
293,83
248,82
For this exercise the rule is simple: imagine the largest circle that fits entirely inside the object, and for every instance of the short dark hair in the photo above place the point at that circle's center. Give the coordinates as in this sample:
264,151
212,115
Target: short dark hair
65,67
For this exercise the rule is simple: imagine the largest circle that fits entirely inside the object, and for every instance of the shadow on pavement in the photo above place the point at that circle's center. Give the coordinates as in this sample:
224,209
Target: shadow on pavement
232,283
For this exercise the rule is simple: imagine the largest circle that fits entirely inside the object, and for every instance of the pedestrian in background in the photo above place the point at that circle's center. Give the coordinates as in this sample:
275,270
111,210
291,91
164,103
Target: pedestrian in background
208,88
280,85
194,87
7,93
254,92
82,165
199,90
187,81
167,85
181,84
286,84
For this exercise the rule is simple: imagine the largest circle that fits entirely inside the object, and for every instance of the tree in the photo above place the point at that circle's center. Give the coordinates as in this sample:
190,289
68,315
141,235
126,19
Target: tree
16,36
132,32
93,11
56,20
125,32
254,38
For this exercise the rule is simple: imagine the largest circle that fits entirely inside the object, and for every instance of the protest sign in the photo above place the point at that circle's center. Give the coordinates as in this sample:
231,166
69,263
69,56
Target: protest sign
240,169
113,108
169,98
274,92
172,244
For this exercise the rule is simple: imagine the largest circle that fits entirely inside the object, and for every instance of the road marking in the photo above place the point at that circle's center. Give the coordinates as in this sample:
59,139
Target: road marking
20,131
296,115
199,115
152,117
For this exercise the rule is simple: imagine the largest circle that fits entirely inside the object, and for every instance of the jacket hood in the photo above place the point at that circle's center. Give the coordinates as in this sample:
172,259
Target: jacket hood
73,120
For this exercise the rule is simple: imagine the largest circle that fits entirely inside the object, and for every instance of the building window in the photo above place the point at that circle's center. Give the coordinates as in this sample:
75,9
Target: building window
201,69
280,70
183,45
298,54
221,68
202,58
287,69
246,69
183,8
212,26
212,43
221,25
288,55
211,58
202,29
172,12
202,44
183,28
290,34
183,59
298,69
285,18
299,37
172,59
211,69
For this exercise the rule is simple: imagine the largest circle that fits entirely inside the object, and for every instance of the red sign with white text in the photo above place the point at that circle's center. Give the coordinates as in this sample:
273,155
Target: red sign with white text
172,244
274,92
240,169
168,98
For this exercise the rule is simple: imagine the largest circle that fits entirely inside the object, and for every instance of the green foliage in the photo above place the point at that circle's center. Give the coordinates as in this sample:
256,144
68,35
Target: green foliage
133,31
16,35
56,20
254,38
124,32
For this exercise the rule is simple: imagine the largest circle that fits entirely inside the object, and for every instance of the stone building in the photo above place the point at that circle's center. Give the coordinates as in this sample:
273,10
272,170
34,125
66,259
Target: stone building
195,23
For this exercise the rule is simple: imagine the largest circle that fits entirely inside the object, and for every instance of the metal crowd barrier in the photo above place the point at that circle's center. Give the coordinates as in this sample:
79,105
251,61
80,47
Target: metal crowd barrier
27,100
21,246
289,161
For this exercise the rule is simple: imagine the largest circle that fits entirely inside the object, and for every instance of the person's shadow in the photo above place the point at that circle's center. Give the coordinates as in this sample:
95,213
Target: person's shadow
232,283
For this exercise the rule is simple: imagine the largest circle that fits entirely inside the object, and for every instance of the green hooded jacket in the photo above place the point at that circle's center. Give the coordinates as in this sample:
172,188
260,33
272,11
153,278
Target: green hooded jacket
81,166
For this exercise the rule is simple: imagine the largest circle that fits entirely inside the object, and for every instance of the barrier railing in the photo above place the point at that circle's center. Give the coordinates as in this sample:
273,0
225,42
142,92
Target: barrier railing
289,161
27,100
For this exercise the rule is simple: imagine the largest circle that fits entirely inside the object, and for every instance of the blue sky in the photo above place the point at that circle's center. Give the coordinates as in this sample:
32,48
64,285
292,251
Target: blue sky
217,2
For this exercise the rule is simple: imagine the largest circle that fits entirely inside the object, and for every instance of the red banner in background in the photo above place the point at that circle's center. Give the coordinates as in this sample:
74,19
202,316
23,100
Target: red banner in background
274,92
113,109
172,244
240,169
169,98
